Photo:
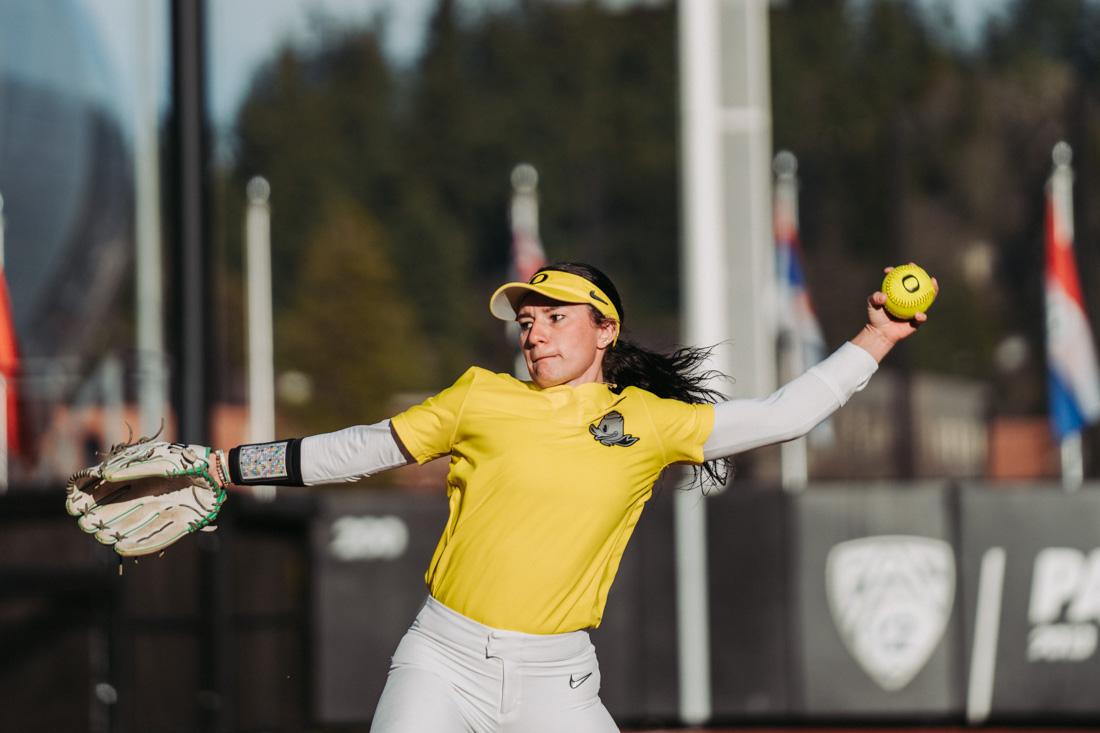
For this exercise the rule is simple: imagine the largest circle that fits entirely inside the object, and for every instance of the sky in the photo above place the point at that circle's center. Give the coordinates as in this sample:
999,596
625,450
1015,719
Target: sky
242,34
245,32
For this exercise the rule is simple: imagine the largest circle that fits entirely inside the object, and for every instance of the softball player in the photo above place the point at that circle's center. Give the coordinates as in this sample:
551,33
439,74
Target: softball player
547,481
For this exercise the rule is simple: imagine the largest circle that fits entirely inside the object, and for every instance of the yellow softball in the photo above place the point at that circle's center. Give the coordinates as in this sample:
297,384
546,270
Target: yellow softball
909,290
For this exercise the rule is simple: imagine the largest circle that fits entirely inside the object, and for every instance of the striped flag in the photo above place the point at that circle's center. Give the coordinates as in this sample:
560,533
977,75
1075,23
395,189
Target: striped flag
1073,379
801,341
9,368
799,330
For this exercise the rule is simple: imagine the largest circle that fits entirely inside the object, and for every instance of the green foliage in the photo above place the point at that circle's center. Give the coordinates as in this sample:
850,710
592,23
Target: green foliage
317,126
350,329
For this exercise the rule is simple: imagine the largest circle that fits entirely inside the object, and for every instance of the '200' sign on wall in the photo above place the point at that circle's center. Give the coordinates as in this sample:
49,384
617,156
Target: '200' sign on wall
368,538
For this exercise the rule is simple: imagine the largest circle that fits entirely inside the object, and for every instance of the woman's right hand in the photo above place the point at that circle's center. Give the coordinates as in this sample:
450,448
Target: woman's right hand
883,331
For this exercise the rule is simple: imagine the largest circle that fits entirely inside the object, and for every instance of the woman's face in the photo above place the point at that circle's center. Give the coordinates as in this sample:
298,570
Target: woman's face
560,341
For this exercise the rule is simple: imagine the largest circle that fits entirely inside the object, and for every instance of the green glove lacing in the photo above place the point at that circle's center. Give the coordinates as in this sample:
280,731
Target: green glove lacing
202,469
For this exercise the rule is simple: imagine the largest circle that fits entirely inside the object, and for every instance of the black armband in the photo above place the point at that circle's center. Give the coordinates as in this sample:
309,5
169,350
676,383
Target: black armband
267,464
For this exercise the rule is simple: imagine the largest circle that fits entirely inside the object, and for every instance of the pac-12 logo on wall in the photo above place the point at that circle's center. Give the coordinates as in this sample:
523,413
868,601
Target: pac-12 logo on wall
891,599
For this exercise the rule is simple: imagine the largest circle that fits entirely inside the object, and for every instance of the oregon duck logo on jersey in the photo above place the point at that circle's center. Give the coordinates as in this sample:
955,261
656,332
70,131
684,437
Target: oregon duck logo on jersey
611,430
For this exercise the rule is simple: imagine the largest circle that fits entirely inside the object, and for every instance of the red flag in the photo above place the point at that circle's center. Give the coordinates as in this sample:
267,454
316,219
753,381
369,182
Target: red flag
9,367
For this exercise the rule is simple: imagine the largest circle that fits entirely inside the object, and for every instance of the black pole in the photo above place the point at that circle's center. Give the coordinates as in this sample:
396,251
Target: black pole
193,317
193,381
120,655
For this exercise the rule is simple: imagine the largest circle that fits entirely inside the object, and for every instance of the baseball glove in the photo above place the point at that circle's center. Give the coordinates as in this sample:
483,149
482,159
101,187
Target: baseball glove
147,494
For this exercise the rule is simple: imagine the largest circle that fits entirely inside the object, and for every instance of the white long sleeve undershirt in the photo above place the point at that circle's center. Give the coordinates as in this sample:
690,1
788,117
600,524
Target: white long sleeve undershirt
793,409
350,454
739,425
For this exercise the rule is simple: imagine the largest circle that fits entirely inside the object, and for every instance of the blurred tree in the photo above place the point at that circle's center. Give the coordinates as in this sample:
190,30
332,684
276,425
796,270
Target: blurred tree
350,329
317,123
321,124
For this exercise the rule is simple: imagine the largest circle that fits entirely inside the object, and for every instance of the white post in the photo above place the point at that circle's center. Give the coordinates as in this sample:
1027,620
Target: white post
987,626
744,151
148,304
111,392
527,254
728,261
1073,462
261,369
705,321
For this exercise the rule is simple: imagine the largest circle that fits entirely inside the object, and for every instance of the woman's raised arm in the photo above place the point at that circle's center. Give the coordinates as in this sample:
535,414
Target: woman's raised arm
795,408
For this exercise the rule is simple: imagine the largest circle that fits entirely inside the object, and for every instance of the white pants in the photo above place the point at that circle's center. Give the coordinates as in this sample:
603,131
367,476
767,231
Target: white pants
451,673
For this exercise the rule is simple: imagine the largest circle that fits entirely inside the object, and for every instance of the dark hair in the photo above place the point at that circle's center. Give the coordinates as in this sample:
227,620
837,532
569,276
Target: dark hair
677,375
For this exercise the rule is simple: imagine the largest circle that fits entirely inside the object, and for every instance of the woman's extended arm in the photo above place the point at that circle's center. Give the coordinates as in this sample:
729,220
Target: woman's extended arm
341,456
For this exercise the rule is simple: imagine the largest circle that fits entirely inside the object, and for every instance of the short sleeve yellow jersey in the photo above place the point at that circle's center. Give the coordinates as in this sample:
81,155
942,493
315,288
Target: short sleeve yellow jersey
545,488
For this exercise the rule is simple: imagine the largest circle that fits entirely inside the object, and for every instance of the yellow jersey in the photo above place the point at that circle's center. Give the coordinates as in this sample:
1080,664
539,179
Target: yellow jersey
545,488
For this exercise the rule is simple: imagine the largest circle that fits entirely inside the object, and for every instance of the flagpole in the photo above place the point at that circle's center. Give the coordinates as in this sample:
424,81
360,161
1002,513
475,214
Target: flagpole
148,278
112,398
261,339
1061,182
1073,375
527,253
1073,462
794,469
